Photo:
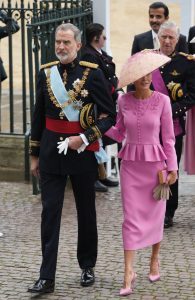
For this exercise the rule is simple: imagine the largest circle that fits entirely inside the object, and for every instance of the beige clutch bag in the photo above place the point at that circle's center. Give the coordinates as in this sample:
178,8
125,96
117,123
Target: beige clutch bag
162,192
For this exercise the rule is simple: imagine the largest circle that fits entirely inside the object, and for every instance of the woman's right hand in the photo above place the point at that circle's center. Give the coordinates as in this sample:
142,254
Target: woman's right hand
172,177
35,166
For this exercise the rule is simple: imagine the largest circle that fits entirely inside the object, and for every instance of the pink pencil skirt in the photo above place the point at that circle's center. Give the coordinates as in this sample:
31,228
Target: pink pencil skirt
143,215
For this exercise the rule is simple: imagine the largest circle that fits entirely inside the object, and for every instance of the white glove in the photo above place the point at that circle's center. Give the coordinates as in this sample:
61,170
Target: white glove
63,146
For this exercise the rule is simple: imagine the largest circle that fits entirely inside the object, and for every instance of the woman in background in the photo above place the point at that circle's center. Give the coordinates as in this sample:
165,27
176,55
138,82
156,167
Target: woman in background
92,51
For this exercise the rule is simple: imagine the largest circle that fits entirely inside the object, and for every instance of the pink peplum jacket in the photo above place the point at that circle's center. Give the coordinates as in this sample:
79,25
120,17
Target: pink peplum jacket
146,129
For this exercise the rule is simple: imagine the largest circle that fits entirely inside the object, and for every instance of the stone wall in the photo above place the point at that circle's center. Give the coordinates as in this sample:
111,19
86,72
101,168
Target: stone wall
12,158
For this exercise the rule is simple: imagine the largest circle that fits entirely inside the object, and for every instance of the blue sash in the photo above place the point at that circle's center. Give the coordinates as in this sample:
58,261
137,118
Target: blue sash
61,95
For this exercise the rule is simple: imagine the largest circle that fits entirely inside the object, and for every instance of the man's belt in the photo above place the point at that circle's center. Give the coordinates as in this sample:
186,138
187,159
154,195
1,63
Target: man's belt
67,127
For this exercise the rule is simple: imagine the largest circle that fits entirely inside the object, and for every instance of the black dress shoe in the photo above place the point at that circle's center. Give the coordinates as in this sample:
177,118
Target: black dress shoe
109,182
42,286
168,222
87,277
99,187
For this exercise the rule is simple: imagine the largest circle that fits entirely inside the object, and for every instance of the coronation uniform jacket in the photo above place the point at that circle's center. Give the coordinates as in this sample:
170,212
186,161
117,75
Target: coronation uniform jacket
179,78
85,83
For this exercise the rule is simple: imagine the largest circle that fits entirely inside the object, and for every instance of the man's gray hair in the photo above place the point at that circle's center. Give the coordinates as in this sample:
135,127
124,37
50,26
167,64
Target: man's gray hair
73,28
169,25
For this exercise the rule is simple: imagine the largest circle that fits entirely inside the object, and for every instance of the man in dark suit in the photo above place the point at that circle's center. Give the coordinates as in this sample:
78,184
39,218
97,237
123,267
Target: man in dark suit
191,35
177,80
92,51
61,147
158,13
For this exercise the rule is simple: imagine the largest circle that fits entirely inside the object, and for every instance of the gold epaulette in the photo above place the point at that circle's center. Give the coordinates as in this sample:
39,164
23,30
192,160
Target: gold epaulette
88,64
188,56
49,64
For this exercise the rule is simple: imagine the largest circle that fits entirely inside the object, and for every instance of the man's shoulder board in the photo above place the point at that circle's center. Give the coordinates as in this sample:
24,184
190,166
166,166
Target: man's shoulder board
188,56
50,64
88,64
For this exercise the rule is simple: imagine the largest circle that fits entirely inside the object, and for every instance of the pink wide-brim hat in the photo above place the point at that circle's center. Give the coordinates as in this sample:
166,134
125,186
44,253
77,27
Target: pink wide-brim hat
139,65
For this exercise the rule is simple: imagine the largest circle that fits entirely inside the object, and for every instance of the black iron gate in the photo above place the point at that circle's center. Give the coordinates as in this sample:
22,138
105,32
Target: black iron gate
37,21
14,107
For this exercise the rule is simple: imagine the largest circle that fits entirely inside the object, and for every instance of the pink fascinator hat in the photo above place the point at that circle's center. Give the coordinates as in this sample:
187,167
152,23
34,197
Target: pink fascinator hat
139,65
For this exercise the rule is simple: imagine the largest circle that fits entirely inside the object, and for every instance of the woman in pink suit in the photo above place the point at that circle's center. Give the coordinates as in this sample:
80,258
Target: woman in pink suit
143,116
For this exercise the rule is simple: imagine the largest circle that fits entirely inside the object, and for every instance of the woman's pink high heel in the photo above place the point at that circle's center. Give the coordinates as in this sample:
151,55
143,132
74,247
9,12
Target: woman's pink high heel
129,290
156,277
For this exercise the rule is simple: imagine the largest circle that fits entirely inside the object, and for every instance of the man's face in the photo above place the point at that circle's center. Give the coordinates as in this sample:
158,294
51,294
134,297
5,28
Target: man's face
66,47
168,39
156,18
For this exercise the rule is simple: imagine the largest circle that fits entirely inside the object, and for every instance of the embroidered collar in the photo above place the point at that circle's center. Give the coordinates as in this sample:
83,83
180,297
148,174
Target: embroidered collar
69,66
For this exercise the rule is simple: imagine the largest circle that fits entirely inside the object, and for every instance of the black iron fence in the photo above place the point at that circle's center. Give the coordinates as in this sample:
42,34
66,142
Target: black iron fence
31,46
25,51
13,105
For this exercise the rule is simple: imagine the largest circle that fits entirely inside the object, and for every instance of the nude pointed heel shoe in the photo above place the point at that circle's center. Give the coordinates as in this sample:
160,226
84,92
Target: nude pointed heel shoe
156,277
129,290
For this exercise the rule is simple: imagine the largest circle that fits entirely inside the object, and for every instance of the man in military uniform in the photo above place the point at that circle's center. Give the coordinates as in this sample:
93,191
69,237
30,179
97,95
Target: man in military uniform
176,79
66,91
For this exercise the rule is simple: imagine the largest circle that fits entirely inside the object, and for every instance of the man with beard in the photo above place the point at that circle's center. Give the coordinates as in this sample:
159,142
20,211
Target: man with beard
67,90
158,13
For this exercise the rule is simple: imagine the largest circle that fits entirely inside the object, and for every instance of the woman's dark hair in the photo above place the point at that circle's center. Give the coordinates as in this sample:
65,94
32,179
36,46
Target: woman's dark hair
93,30
156,5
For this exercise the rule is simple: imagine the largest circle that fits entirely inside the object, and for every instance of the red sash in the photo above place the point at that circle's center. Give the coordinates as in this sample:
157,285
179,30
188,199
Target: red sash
63,126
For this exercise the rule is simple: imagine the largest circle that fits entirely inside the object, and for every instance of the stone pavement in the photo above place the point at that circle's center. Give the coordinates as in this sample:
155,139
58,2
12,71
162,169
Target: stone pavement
20,249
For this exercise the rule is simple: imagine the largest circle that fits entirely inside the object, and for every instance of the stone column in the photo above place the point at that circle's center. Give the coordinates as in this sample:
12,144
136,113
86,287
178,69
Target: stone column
101,14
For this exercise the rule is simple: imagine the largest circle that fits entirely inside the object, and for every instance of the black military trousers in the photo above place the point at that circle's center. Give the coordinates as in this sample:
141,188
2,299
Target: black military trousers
172,203
52,192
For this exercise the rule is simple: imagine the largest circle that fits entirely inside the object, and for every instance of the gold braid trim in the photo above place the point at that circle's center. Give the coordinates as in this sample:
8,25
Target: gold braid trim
51,95
188,56
73,94
173,92
82,117
176,91
96,131
53,63
88,64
